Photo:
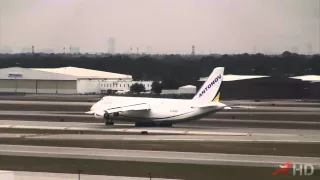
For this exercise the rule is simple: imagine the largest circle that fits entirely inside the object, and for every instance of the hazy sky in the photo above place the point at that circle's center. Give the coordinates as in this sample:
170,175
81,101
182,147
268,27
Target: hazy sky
168,26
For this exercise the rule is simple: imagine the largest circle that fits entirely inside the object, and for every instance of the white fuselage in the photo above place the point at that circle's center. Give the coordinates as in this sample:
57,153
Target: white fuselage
161,110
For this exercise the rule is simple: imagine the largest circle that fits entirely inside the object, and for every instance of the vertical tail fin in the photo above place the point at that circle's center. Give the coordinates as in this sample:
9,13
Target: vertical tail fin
210,90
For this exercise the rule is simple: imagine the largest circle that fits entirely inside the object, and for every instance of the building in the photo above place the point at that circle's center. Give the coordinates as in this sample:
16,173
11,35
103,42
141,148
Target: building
122,85
65,80
74,50
188,89
112,45
24,80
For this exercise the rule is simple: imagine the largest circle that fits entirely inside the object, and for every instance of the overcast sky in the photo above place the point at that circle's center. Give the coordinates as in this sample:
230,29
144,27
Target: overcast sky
168,26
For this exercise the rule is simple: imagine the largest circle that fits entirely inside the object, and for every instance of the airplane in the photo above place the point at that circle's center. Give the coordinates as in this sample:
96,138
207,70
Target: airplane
161,111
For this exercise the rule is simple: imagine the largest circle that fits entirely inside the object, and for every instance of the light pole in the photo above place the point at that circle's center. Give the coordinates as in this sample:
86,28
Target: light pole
79,173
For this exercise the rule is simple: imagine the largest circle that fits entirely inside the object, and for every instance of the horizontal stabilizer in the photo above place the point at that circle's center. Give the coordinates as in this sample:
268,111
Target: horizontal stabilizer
243,107
204,105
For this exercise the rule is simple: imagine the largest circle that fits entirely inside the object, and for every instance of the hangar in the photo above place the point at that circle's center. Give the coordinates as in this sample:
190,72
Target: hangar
64,80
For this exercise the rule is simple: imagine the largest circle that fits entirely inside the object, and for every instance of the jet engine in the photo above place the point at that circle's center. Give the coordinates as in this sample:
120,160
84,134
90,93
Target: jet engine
101,115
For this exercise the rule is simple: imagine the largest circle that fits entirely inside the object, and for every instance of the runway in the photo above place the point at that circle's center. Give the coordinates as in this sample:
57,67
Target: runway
269,121
128,126
214,137
154,156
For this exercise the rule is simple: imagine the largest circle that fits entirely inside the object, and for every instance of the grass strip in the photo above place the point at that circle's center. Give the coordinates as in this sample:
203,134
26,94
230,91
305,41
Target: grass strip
141,169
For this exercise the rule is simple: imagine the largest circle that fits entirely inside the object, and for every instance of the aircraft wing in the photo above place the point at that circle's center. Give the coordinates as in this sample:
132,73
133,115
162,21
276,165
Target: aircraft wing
121,108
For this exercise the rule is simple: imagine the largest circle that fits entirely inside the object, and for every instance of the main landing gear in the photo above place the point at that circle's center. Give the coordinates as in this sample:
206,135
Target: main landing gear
108,121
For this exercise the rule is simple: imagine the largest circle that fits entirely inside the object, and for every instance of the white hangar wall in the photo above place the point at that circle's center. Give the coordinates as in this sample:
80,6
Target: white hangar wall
88,86
65,80
24,80
88,80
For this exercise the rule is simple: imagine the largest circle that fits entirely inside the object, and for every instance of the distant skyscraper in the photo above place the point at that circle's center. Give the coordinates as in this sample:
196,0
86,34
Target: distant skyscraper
74,50
112,45
193,50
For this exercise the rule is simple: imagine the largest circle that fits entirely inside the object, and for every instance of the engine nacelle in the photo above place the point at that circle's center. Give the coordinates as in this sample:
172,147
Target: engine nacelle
97,116
101,115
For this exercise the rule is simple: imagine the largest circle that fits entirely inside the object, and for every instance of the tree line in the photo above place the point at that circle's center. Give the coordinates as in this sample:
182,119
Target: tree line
173,70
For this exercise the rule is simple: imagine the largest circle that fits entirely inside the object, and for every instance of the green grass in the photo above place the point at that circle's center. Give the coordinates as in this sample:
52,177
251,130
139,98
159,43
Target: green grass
141,169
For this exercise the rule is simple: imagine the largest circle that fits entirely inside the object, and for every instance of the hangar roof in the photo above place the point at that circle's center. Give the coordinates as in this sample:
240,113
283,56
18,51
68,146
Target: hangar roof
308,78
26,73
232,77
85,73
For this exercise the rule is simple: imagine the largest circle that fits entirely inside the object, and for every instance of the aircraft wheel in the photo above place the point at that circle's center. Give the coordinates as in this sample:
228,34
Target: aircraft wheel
108,123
